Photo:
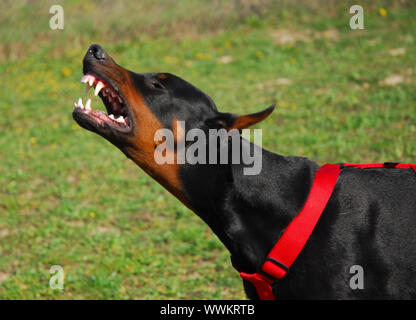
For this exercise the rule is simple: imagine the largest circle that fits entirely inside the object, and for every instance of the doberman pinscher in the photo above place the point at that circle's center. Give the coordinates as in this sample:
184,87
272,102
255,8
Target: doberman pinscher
369,220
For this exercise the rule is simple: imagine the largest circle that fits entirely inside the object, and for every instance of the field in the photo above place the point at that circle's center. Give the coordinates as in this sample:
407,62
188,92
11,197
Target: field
70,198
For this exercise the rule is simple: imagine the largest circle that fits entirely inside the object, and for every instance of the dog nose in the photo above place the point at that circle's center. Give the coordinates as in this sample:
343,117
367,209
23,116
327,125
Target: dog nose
97,52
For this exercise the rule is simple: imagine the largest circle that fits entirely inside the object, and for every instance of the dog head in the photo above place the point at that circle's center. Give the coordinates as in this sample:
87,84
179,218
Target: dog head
139,104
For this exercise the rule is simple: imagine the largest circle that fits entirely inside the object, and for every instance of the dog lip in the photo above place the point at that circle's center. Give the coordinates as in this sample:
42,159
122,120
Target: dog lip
92,121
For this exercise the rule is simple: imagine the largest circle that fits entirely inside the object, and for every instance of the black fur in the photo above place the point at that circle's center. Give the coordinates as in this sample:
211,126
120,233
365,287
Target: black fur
370,219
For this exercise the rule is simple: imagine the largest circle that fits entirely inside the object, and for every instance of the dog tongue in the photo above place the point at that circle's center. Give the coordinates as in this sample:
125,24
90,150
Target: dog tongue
99,114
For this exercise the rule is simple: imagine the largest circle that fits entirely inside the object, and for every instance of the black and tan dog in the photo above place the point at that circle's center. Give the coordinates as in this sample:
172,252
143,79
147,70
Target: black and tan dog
370,219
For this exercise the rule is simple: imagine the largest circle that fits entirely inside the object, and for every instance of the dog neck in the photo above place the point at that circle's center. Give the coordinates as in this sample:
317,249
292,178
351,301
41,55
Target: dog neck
249,213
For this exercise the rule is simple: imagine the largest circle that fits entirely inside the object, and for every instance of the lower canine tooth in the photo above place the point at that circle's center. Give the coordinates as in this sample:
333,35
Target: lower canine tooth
80,103
88,104
111,116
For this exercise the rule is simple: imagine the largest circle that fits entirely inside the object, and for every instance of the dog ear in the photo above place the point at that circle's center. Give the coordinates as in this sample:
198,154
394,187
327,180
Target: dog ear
233,121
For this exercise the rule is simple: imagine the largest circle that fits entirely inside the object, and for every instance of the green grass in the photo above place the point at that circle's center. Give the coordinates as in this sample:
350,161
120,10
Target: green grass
68,197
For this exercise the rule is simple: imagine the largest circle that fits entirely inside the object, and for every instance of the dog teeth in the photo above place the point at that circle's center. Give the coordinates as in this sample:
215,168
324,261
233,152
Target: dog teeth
88,105
80,103
88,78
111,96
99,86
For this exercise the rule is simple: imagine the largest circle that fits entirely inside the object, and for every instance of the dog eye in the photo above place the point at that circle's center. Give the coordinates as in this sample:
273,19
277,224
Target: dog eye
157,85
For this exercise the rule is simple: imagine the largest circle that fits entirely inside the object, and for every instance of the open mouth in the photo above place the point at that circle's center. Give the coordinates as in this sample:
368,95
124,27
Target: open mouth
117,116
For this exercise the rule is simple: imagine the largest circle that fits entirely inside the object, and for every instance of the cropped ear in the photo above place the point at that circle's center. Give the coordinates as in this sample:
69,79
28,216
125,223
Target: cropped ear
233,121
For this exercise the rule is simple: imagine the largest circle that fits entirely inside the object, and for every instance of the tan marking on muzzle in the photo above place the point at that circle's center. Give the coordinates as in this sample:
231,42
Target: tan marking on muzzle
142,147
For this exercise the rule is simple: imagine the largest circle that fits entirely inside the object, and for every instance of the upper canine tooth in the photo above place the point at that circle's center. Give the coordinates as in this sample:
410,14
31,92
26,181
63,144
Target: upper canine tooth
88,104
99,86
91,81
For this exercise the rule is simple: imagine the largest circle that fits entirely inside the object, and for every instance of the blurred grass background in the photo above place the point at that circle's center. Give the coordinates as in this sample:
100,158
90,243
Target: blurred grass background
70,198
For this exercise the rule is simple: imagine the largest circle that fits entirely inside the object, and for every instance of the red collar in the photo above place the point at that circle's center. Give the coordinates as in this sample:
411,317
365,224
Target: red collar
288,247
